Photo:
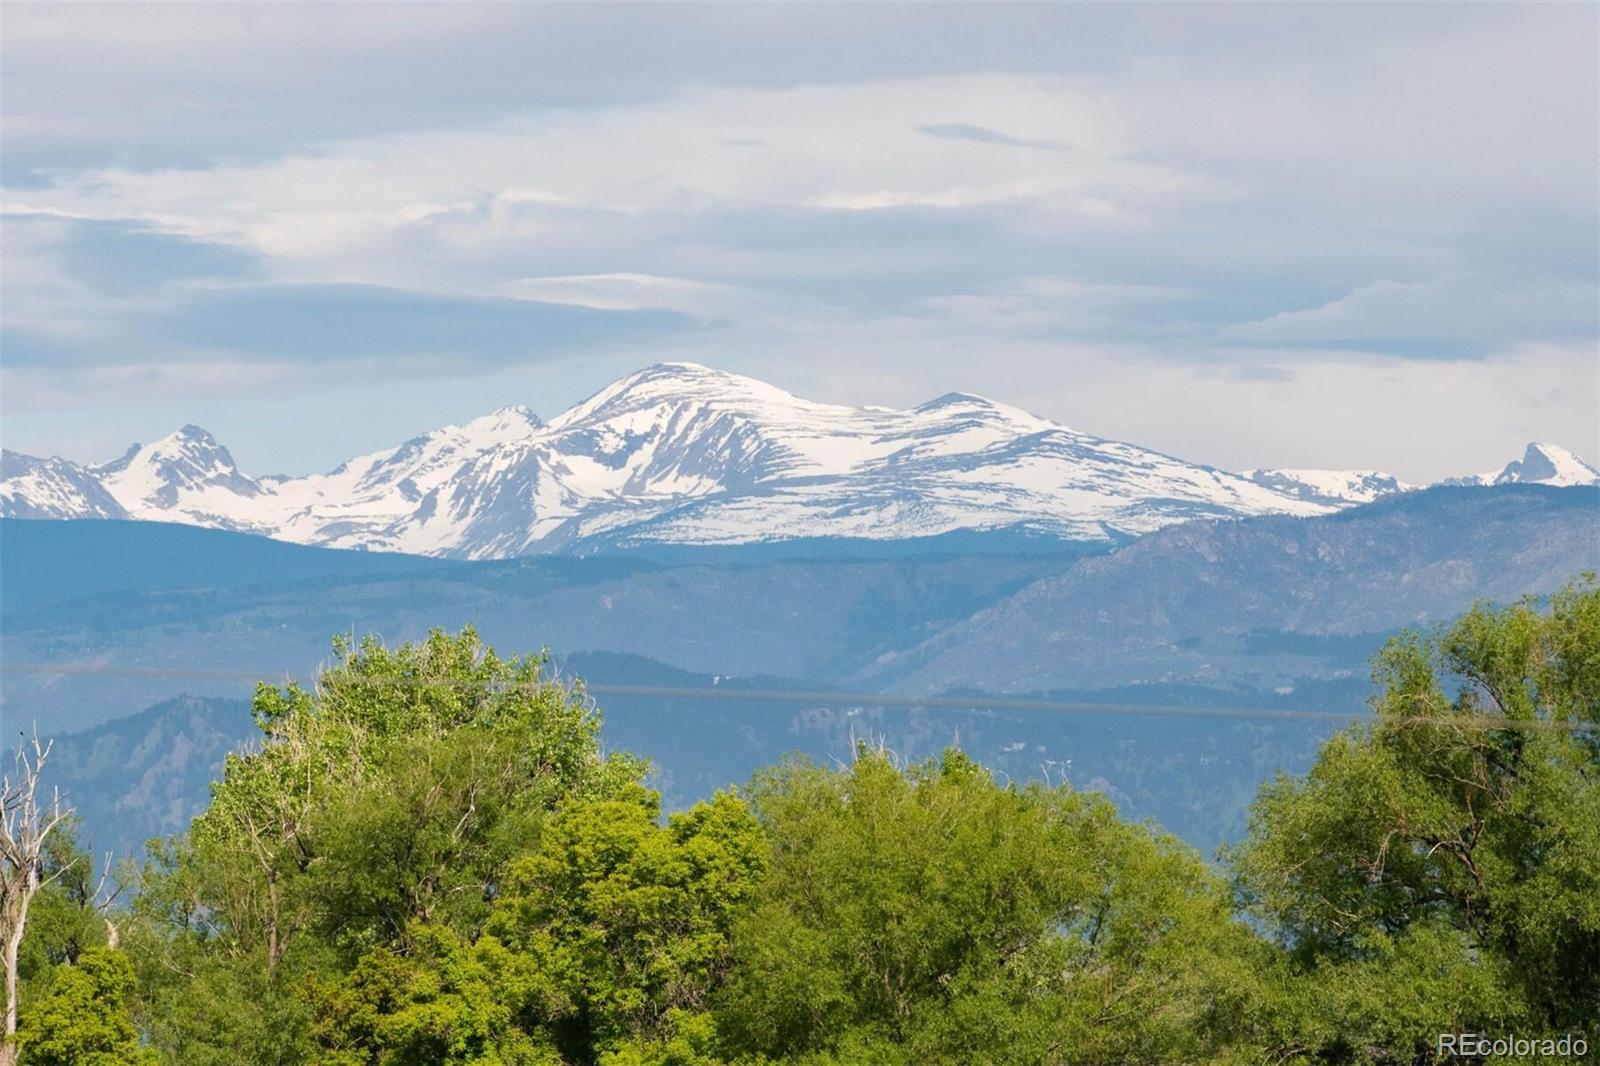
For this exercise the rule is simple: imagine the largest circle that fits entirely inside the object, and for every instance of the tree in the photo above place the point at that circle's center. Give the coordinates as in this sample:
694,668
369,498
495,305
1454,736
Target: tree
391,796
933,915
26,822
82,1017
628,920
429,861
1438,869
446,1003
67,914
608,940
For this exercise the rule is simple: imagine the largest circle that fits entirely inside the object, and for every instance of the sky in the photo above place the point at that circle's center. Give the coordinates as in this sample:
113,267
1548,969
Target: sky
1349,236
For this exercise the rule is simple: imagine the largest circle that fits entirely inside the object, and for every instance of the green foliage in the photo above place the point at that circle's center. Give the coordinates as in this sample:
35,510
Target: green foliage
615,929
1439,869
629,919
201,1004
448,1003
62,921
393,795
76,995
429,862
935,916
82,1016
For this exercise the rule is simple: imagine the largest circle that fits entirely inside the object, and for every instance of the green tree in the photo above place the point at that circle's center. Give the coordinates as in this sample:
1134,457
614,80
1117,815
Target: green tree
392,795
608,939
429,861
82,1016
932,915
65,918
446,1003
1438,869
71,1013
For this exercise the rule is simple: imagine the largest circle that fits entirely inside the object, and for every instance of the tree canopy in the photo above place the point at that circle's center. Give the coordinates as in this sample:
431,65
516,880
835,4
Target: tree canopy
429,860
1438,870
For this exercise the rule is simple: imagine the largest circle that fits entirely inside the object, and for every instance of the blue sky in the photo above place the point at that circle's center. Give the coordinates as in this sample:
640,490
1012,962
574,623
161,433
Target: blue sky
1349,236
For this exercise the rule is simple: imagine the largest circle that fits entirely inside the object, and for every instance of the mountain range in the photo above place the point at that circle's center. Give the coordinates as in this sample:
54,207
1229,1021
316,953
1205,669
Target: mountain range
717,662
679,454
1238,606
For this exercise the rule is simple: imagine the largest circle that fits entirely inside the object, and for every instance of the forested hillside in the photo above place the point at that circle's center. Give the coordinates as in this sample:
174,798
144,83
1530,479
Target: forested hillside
147,774
1237,609
433,858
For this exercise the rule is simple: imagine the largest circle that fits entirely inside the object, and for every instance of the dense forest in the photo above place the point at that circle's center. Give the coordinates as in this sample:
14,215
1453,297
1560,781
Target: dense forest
432,858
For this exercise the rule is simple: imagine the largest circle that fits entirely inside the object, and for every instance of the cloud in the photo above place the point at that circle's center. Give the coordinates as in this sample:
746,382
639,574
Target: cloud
1063,308
1447,318
860,200
119,256
262,81
340,323
967,131
641,292
329,322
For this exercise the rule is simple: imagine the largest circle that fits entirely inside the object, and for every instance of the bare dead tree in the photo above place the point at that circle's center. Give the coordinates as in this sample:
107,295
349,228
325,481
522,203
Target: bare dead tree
104,899
94,889
26,822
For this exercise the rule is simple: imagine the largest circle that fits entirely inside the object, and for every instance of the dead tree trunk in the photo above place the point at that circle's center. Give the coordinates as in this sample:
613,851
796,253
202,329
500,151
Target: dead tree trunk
25,824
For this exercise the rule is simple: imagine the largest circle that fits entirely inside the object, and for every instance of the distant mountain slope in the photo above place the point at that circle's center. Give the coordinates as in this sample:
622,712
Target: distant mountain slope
1334,488
1253,604
147,774
1269,613
1244,607
51,561
673,454
727,614
1541,464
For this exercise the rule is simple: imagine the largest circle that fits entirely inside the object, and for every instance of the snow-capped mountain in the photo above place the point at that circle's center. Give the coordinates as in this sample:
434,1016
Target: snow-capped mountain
1336,488
1541,464
186,470
52,488
681,454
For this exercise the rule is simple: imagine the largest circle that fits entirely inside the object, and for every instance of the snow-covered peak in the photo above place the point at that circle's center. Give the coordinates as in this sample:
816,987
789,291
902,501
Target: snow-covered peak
668,387
1548,464
964,400
681,453
190,446
515,422
52,488
1335,487
185,468
1541,464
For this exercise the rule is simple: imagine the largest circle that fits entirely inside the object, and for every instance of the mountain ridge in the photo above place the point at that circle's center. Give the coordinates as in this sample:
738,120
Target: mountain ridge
679,454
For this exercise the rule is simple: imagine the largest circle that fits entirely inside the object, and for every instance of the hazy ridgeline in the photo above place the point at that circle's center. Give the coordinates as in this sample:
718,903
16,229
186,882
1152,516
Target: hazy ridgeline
143,642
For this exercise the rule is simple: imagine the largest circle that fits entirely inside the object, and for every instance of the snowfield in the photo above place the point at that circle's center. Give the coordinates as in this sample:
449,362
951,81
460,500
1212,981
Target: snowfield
682,454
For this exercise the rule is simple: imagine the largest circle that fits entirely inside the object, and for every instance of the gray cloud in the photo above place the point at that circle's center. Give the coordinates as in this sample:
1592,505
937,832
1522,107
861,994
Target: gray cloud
325,322
120,257
967,131
861,198
153,87
1447,318
337,323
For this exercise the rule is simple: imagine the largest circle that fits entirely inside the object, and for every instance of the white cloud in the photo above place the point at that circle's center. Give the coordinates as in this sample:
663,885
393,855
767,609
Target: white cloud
1190,193
636,292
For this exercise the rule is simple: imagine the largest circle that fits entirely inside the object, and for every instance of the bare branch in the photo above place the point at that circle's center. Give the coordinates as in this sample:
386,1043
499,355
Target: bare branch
25,827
